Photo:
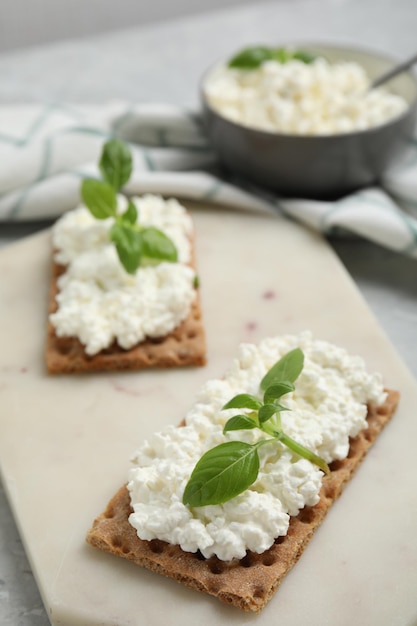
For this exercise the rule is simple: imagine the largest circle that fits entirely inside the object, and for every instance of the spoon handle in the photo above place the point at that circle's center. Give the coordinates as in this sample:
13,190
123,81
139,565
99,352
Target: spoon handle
397,69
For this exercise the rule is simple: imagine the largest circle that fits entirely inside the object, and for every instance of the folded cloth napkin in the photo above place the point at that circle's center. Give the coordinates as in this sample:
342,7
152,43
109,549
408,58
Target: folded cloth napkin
45,150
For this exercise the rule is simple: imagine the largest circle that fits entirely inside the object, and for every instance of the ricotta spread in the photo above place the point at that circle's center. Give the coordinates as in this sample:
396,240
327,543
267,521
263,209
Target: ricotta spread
98,301
318,98
328,406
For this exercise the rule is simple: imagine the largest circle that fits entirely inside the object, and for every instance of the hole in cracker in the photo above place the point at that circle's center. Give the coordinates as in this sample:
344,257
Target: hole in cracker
65,349
335,466
215,566
191,334
259,591
280,540
247,560
116,542
125,550
156,546
268,559
306,516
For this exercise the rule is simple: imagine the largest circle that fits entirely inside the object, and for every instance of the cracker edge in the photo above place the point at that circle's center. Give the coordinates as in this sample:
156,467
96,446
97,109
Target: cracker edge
250,583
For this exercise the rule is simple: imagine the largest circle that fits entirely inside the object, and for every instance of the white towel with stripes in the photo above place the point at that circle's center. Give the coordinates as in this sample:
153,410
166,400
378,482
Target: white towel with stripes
45,151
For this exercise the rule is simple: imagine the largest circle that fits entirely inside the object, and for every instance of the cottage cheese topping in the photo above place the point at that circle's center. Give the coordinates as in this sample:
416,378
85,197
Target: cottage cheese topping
303,99
327,407
99,301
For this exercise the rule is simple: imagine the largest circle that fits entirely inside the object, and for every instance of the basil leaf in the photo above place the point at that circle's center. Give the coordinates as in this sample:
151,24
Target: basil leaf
131,214
266,412
286,369
273,392
304,56
243,401
239,422
128,244
251,58
282,55
156,245
116,163
222,473
99,198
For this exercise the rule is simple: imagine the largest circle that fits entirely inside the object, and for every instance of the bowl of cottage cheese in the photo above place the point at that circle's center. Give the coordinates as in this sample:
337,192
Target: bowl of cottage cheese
304,120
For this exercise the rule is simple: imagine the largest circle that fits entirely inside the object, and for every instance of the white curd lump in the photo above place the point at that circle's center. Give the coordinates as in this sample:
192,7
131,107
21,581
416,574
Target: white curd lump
317,98
327,407
98,301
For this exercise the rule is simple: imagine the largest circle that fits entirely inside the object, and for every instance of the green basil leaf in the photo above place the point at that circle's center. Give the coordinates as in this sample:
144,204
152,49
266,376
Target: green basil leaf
99,198
158,246
266,412
128,244
222,473
196,282
239,422
131,214
282,55
251,58
273,392
304,56
116,163
286,369
243,401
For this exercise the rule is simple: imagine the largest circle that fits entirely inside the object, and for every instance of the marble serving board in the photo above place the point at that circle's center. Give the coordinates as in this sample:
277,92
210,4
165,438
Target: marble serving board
65,442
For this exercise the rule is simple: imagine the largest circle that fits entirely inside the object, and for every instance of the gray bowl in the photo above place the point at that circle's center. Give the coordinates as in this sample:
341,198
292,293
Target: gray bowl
319,166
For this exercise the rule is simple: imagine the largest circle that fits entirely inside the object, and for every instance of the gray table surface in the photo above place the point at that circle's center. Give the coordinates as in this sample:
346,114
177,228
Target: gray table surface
163,63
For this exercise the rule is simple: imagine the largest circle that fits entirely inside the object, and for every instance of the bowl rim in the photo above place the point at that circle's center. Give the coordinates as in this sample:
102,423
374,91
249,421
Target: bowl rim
410,109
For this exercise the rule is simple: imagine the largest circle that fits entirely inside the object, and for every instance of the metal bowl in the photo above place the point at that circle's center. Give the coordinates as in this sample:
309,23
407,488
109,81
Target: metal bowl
316,166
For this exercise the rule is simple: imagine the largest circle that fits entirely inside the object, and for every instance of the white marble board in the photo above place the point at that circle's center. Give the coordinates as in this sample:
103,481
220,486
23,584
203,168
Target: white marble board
65,442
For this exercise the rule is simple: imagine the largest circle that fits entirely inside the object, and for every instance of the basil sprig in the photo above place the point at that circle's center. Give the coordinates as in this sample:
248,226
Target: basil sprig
230,468
252,58
135,244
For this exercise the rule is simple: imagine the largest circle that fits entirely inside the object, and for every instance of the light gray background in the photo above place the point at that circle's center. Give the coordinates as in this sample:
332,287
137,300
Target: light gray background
161,58
25,23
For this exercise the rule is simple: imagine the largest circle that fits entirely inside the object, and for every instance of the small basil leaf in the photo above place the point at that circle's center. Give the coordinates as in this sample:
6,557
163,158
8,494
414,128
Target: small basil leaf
304,56
128,244
266,412
251,58
239,422
99,198
286,369
116,163
131,214
282,55
156,245
222,473
273,392
243,401
196,282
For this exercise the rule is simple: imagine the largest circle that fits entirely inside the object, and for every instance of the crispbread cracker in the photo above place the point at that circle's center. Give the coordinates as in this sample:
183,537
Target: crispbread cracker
185,345
249,583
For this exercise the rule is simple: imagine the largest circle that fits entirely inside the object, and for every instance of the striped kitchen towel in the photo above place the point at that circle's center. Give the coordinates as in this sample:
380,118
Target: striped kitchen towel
45,150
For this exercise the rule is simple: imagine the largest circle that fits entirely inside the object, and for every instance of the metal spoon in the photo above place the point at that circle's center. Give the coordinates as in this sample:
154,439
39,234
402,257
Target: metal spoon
397,69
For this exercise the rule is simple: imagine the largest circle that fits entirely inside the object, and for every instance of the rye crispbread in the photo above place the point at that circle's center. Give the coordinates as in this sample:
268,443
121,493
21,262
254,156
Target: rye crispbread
185,345
251,582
